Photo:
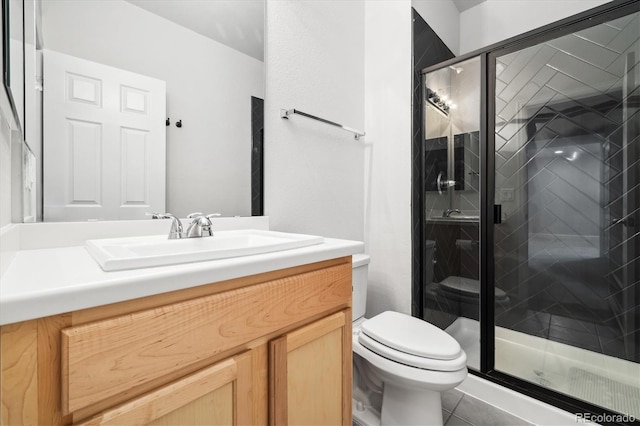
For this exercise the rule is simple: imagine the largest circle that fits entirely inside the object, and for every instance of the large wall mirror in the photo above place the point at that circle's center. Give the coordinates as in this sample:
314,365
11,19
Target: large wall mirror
452,144
142,106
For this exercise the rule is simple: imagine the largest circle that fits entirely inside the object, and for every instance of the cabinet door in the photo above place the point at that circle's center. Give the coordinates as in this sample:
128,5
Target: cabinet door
217,395
310,374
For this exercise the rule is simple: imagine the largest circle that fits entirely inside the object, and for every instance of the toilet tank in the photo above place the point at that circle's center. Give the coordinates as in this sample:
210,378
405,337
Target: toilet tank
359,284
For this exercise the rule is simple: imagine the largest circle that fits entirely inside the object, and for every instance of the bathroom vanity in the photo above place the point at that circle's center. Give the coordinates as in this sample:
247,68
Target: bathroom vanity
271,346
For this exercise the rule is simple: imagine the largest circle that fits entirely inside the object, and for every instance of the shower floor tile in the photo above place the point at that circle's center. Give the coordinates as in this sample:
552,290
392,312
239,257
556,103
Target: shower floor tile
574,337
572,324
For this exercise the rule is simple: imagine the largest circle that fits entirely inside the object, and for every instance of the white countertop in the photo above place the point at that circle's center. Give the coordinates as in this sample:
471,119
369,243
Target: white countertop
48,281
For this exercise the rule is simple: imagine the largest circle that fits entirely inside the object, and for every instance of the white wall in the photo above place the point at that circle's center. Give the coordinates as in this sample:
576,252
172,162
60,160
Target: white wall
443,17
496,20
209,87
388,178
314,173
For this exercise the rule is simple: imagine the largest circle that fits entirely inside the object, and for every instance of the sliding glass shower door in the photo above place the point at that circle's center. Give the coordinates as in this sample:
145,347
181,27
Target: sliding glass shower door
567,237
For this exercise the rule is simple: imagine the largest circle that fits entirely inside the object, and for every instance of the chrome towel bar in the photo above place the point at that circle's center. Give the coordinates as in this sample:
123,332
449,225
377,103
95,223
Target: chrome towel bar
285,113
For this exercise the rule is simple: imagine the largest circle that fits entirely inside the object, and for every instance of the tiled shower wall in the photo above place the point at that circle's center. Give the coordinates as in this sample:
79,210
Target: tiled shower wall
567,168
428,50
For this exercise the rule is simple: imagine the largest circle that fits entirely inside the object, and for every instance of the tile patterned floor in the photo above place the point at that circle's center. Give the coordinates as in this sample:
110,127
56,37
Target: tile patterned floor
601,338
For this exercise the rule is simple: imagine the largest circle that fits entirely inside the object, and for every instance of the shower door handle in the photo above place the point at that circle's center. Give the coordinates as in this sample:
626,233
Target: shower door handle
443,183
497,214
439,183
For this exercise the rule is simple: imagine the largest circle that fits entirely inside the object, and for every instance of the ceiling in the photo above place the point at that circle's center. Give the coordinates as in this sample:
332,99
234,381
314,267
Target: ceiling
463,5
238,24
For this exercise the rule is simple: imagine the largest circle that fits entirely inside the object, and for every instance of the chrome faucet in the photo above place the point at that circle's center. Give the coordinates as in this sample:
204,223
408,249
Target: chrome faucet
200,226
447,212
176,230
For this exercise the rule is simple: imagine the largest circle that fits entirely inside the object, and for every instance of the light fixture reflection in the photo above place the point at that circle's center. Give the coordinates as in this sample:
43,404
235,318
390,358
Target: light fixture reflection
441,102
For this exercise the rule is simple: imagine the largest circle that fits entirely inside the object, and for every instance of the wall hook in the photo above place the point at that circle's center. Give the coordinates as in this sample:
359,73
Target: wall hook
168,122
179,123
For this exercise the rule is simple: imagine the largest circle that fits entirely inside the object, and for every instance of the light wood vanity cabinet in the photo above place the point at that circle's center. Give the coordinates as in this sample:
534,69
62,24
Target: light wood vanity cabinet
312,354
273,348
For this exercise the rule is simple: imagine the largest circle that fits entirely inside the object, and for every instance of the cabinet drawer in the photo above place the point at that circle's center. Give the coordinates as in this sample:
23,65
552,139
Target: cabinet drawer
106,358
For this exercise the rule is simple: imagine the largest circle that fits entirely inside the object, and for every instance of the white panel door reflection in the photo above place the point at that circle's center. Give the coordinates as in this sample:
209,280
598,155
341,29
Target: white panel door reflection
104,141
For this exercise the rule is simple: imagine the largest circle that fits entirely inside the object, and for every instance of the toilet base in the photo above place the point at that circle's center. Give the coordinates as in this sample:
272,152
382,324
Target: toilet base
364,415
402,406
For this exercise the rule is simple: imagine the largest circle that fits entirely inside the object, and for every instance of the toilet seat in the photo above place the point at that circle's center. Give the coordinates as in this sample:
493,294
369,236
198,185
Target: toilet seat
412,342
468,287
412,360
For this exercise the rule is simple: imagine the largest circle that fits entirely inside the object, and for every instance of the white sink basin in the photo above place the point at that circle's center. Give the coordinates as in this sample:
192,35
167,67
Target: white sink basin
115,254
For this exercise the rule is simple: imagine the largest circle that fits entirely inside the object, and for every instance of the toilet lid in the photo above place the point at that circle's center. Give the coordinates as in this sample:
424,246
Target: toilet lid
411,335
404,358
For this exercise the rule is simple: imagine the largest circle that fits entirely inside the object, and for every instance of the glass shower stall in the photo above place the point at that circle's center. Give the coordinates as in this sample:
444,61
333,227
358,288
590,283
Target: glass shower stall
531,182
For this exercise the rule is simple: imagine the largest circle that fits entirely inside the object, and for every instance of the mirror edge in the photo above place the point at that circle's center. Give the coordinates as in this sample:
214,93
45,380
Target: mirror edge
9,104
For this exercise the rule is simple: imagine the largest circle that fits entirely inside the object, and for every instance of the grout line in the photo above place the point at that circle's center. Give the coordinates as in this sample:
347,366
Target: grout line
458,403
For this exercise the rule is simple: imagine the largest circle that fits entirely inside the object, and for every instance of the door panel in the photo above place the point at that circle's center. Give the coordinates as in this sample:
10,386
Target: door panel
217,395
566,251
310,371
104,145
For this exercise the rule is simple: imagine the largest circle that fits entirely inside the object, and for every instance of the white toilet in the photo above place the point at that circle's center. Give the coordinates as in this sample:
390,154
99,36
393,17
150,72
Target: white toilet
401,363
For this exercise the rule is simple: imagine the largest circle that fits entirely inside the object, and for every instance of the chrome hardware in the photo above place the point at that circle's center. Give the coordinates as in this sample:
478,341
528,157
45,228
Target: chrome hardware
447,212
201,225
176,230
443,184
285,113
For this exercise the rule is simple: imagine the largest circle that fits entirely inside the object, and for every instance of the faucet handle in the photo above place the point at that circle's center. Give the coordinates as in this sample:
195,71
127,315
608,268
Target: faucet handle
156,215
194,215
176,226
209,216
160,215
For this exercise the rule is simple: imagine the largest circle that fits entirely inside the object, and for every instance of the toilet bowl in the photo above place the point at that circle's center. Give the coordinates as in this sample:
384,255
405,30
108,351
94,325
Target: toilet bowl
461,296
401,362
456,295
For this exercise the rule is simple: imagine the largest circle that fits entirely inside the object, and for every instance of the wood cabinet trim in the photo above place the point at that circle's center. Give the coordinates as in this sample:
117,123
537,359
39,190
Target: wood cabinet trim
19,370
347,368
243,414
278,407
302,336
